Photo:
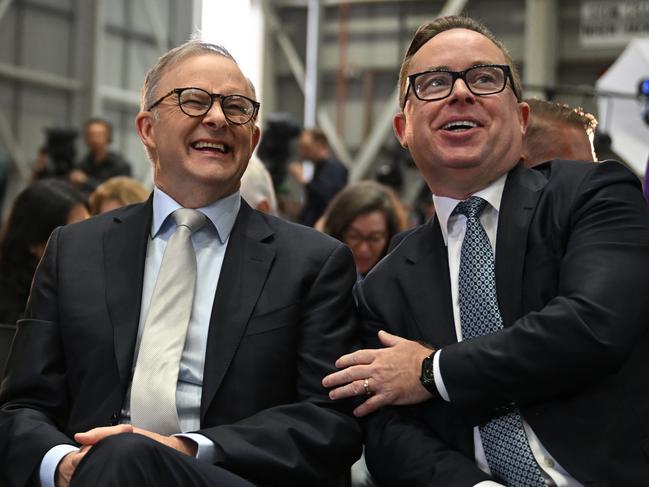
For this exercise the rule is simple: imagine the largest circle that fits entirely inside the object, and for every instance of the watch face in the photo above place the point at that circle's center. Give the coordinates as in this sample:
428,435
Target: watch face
427,371
427,377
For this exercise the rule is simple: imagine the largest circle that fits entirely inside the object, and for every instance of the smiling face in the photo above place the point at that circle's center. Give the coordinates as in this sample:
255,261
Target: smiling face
463,142
198,160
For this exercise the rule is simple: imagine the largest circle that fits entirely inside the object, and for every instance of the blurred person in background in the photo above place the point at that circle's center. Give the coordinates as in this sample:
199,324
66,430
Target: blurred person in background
257,187
365,216
37,211
115,193
329,174
100,163
558,131
55,159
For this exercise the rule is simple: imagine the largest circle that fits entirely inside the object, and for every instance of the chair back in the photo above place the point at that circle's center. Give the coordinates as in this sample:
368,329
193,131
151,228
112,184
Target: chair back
6,337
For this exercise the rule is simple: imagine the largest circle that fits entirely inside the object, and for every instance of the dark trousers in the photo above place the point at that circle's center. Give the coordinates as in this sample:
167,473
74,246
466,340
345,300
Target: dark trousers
134,460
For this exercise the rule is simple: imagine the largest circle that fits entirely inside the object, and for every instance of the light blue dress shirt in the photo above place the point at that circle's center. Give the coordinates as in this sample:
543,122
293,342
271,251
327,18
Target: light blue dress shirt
210,244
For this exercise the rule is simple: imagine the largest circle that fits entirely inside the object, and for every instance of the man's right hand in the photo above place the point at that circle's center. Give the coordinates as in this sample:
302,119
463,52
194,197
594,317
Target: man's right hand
67,466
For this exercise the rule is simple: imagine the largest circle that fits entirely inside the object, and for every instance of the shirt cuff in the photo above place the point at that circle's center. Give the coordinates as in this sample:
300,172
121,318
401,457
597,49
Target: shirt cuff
488,483
206,449
51,460
437,374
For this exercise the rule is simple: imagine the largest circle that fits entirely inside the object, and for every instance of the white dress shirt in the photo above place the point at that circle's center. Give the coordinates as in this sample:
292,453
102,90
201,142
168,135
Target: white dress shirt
453,229
210,244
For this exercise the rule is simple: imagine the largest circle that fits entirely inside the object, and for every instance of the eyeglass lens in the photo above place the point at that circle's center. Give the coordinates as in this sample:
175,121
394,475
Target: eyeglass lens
354,239
481,80
196,102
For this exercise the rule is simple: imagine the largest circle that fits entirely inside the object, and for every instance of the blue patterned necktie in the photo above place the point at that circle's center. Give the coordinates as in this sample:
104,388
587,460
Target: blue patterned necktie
503,438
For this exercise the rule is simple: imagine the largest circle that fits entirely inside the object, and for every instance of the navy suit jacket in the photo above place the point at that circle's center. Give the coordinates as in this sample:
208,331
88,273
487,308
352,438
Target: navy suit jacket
283,312
572,260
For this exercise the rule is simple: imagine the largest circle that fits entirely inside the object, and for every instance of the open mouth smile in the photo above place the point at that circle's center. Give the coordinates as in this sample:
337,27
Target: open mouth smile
211,147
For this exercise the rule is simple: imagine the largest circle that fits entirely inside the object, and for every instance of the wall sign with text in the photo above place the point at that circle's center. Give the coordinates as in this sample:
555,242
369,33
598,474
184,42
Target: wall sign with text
613,23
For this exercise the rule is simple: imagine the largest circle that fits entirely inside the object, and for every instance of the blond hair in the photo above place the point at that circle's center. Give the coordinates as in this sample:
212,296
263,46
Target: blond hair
122,189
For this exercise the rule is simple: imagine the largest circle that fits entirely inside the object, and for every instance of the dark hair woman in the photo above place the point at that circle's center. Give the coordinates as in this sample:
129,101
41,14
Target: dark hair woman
37,211
365,216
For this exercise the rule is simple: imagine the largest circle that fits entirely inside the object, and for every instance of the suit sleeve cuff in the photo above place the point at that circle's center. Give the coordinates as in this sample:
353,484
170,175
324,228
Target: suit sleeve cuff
51,460
207,450
437,374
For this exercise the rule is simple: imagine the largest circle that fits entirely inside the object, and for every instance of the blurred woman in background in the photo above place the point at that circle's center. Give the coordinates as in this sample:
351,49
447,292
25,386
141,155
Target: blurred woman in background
37,211
115,193
365,216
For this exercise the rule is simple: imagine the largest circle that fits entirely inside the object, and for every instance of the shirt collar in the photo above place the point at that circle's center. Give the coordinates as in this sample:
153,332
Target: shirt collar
222,213
444,206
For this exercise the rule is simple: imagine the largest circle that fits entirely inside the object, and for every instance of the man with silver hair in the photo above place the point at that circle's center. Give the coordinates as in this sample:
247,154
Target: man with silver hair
182,341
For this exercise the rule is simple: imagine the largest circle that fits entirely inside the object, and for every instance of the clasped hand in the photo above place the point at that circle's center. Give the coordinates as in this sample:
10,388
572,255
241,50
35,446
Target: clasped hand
88,439
387,376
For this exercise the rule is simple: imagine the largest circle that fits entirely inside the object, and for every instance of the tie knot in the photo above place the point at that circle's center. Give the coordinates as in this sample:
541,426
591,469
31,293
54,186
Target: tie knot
192,219
472,207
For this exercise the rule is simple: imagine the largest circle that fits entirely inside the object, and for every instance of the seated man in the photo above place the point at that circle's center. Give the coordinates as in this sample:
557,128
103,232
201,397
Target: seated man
190,313
523,367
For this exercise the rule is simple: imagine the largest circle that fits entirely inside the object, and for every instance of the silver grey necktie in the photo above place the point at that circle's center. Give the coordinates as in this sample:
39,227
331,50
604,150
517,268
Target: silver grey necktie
503,438
153,391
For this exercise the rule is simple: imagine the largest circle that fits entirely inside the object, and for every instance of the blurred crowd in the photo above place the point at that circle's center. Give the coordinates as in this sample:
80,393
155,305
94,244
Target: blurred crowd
63,191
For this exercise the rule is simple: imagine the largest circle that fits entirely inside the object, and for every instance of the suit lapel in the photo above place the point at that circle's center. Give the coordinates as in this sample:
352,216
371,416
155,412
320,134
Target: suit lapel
125,244
426,284
245,267
520,196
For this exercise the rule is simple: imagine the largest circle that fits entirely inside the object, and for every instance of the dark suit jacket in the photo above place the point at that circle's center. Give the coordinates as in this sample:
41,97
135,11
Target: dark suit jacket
572,260
283,312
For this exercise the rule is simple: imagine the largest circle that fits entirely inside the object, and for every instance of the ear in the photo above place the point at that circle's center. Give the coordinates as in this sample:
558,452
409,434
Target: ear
523,115
399,127
145,126
256,134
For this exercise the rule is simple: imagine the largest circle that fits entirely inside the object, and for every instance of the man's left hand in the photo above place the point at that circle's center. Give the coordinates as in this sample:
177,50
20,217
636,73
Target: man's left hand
389,376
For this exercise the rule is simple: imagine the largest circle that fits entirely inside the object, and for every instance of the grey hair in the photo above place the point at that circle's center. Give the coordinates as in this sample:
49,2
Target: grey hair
190,48
257,185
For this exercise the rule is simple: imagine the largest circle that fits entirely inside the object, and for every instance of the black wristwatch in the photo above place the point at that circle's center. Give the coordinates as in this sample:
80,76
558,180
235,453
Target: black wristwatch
427,378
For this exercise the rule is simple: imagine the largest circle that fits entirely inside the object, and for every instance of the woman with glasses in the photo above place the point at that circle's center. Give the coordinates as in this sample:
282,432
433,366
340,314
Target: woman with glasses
365,216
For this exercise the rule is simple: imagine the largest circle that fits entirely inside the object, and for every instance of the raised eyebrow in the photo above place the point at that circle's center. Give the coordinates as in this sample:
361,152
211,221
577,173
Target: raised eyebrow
448,68
226,91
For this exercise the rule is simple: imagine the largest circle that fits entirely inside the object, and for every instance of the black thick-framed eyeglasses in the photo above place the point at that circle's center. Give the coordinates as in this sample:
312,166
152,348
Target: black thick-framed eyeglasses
437,84
196,102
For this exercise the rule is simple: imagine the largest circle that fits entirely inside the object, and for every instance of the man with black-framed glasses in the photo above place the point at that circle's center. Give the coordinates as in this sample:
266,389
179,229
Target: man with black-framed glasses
182,341
506,338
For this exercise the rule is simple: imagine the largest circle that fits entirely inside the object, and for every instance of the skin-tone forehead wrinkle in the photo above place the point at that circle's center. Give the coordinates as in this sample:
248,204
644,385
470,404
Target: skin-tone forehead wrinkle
445,67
